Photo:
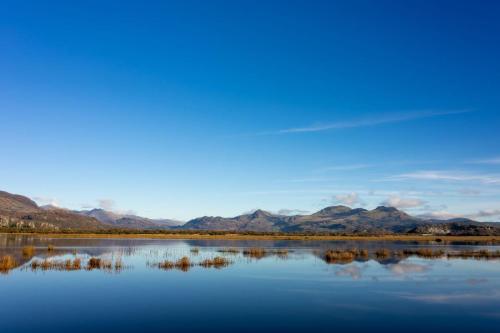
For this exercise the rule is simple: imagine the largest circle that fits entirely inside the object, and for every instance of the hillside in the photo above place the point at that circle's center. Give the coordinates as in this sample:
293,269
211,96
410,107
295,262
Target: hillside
338,219
22,213
128,221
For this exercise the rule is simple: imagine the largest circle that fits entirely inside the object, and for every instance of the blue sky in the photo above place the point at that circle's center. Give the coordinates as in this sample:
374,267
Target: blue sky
189,108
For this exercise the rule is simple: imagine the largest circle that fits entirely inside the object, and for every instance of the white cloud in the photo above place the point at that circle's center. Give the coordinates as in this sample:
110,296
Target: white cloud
398,202
285,211
348,199
106,204
372,121
448,176
42,201
439,215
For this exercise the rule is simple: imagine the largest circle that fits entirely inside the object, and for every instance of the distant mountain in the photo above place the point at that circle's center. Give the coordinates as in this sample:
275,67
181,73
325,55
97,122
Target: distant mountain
334,219
19,212
128,221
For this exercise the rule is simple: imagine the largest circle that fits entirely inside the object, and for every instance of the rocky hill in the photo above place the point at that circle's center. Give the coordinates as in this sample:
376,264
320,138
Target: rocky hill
22,213
338,219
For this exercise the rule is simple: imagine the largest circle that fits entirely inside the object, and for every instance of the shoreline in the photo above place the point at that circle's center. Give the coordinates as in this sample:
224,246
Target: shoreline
444,238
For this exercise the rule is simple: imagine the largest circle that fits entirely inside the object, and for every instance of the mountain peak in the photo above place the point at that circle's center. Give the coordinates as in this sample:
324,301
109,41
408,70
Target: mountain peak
332,210
386,209
260,213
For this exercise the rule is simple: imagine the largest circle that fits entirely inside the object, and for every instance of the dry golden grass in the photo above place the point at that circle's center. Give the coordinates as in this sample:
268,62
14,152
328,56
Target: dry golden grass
425,253
217,262
166,264
58,265
183,264
255,252
481,254
99,263
230,250
7,263
28,251
339,256
236,236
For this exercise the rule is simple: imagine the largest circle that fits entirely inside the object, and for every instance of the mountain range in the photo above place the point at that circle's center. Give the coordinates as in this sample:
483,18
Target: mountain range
20,212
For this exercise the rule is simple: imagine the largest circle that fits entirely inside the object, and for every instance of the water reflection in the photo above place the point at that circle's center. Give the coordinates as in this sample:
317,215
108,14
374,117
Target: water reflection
282,286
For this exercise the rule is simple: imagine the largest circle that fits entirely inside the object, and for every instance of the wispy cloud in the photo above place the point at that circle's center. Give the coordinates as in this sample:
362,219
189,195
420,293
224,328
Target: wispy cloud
47,201
286,211
371,121
494,160
399,202
106,204
348,167
348,199
448,176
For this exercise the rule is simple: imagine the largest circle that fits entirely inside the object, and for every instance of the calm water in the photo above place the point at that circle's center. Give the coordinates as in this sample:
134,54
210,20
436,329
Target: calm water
296,293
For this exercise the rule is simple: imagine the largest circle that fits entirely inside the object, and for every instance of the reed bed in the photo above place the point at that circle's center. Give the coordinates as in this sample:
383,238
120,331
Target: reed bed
425,253
230,250
346,256
259,253
58,265
255,252
481,254
7,263
217,262
183,264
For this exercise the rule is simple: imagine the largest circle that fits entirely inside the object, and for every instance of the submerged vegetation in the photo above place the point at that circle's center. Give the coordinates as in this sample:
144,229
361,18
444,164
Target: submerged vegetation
182,264
259,253
348,255
230,250
76,264
217,262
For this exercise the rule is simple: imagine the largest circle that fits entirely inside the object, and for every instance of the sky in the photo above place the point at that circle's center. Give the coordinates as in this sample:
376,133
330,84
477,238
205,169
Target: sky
179,109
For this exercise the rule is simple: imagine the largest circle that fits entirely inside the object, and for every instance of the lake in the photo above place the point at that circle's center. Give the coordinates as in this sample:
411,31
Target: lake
286,287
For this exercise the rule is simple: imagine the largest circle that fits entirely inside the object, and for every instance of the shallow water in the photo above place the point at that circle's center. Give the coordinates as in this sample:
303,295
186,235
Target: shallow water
293,293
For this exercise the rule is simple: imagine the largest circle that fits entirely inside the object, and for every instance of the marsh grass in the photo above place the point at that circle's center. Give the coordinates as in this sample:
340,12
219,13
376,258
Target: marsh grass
255,252
259,253
28,251
217,262
424,253
230,250
183,264
58,265
7,263
339,256
468,254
